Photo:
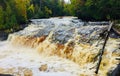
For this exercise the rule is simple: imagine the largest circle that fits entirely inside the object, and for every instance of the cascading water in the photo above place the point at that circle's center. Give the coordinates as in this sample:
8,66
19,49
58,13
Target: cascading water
66,46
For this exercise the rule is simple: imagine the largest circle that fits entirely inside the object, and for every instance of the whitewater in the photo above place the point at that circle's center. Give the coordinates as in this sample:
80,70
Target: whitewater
56,47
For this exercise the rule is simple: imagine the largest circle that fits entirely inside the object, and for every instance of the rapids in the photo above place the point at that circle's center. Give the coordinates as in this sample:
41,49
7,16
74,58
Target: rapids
57,46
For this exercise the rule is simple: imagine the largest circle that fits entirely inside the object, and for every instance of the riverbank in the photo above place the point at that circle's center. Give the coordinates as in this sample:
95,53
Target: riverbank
4,33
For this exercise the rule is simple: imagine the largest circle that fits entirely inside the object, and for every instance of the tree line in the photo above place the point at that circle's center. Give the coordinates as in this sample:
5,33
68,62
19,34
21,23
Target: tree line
96,9
16,12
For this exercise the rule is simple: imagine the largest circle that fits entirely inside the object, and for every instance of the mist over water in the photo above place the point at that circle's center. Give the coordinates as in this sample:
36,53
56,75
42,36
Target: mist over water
60,46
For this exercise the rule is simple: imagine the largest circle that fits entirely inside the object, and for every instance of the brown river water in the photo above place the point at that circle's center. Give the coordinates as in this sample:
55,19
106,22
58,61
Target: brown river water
56,47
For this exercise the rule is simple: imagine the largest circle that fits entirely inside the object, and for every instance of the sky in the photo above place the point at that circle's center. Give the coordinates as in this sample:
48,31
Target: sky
67,0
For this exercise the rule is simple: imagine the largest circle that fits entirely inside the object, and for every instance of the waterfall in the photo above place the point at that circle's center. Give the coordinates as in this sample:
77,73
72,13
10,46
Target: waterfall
68,38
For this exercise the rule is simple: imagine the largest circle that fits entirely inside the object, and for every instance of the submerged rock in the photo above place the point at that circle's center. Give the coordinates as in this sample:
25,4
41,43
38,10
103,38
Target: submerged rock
43,67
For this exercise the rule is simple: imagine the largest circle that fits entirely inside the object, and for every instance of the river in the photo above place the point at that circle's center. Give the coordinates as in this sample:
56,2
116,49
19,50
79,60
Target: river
55,47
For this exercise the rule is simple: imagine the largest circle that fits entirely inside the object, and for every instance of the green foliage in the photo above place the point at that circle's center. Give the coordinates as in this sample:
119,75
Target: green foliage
30,11
21,10
1,18
49,8
10,19
47,12
96,9
16,12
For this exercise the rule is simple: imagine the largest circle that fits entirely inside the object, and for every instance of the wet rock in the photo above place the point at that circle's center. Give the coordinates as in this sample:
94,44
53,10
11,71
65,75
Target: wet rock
116,71
3,35
43,67
28,72
63,29
99,23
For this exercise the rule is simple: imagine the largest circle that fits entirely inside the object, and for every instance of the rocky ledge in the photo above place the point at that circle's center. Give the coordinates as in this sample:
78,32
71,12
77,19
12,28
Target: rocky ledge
63,29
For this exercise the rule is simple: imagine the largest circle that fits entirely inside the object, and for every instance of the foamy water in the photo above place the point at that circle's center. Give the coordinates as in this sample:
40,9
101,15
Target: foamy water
55,47
78,62
15,60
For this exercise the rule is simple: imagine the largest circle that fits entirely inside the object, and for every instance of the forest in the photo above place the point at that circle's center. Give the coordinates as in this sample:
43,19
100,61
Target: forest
14,13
